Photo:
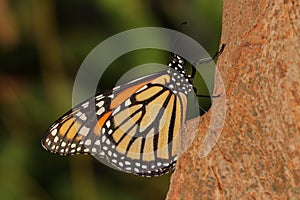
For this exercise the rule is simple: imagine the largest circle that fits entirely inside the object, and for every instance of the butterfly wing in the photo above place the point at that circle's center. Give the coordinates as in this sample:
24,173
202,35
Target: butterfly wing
72,132
134,127
141,135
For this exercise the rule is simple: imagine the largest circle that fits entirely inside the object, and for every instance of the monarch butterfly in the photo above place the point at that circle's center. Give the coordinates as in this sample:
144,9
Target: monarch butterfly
136,126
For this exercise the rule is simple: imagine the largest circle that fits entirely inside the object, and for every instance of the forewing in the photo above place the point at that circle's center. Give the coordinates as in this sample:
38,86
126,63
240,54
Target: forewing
74,132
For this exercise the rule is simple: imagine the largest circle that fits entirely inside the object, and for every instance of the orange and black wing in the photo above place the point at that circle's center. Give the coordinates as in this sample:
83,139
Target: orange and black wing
134,128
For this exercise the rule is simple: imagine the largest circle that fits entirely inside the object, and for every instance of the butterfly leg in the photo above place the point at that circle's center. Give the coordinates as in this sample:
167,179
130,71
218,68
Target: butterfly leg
209,59
206,96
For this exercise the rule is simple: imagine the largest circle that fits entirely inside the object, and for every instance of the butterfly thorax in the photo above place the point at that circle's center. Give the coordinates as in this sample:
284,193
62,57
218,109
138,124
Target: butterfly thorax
180,80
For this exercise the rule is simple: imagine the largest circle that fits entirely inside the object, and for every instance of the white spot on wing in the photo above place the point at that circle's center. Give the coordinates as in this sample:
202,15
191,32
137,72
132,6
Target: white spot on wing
99,97
83,117
143,88
103,138
127,102
53,132
84,131
56,139
127,163
116,110
144,166
100,111
100,104
55,126
108,124
86,150
137,164
85,105
87,142
97,142
117,87
78,114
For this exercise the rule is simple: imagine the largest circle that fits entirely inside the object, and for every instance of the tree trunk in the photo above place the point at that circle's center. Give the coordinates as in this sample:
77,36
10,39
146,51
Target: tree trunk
258,153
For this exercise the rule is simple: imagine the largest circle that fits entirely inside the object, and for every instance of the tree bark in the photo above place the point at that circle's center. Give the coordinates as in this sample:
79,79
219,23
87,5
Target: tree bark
258,153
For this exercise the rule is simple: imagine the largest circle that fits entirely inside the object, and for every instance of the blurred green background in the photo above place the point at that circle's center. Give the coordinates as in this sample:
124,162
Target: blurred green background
42,44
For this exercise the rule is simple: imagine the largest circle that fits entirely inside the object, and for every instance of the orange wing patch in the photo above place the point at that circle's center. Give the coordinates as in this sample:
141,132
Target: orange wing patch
164,125
148,153
122,146
135,149
65,127
69,128
152,110
125,94
73,130
150,92
101,121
